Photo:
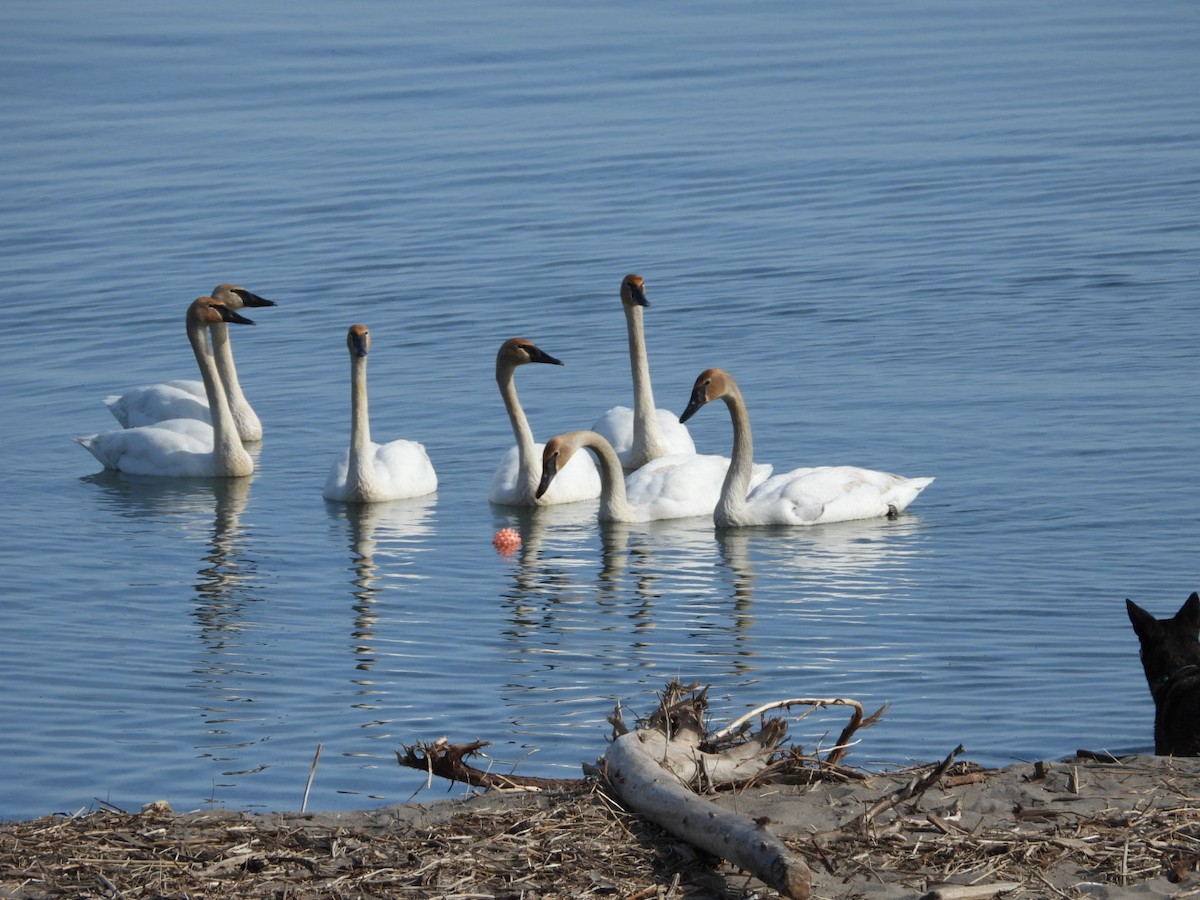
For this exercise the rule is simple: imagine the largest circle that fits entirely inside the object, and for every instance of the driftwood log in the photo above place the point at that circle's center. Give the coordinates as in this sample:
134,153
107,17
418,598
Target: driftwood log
661,770
658,769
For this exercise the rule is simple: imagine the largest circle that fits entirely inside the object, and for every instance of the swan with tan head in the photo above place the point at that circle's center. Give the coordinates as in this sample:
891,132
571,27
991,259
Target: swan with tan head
184,447
644,432
515,480
184,399
368,472
806,496
671,487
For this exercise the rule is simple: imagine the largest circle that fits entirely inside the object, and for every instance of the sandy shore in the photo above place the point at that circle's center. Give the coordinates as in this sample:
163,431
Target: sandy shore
1075,828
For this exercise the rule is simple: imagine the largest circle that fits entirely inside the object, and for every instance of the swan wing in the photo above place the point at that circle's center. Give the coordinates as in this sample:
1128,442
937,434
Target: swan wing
176,450
578,480
822,494
616,426
403,469
680,485
153,403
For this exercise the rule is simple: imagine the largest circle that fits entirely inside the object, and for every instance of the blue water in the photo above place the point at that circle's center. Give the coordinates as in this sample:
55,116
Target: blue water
930,239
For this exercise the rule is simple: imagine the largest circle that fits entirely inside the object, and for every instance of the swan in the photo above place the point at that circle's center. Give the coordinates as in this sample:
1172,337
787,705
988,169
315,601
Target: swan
643,433
153,403
515,480
670,487
807,496
368,472
184,447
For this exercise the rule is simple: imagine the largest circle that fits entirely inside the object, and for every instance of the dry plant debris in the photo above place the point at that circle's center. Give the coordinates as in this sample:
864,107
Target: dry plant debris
1050,830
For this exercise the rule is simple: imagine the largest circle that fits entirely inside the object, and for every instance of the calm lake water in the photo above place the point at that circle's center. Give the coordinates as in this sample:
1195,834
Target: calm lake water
929,239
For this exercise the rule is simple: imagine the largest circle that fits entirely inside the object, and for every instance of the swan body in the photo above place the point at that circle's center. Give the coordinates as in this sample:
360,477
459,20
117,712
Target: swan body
669,487
515,481
184,447
642,433
368,472
805,496
154,403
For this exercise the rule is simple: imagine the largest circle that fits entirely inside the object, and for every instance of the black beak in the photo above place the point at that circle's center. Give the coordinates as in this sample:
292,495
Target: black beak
230,315
549,470
249,299
537,355
697,400
639,294
358,343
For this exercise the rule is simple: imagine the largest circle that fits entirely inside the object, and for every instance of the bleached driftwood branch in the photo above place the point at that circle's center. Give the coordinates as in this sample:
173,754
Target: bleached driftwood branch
651,771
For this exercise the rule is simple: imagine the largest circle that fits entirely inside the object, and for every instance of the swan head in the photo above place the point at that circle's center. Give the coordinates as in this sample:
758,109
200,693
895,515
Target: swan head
236,297
208,311
358,340
519,351
557,453
633,291
711,384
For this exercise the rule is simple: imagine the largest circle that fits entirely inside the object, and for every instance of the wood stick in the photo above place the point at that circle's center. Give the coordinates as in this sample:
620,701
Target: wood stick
311,773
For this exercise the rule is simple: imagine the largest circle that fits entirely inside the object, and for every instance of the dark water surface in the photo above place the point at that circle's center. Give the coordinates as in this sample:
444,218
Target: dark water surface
933,240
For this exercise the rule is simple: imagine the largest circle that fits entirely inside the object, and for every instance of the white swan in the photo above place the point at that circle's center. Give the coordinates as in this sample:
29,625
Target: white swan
368,472
153,403
184,447
643,433
670,487
515,480
808,496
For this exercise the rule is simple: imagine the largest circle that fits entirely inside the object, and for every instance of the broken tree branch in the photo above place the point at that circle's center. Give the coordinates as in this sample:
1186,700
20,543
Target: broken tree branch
651,770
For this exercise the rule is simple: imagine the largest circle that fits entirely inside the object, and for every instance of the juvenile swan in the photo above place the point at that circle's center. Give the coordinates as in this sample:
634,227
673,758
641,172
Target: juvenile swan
368,472
515,481
670,487
184,447
643,433
808,496
153,403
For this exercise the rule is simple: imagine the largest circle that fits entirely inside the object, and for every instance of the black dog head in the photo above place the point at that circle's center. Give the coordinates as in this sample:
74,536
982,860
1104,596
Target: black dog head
1171,660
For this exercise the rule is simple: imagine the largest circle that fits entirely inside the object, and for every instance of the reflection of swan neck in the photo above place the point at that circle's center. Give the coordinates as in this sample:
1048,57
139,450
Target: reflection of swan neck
647,438
528,462
229,455
737,479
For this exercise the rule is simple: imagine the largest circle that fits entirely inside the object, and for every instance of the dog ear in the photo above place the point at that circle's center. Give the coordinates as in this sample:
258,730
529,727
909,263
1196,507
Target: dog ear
1144,624
1189,614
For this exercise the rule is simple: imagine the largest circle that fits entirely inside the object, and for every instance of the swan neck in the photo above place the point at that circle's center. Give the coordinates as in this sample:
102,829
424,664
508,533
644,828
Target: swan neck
360,422
223,352
737,479
530,464
646,435
229,455
614,503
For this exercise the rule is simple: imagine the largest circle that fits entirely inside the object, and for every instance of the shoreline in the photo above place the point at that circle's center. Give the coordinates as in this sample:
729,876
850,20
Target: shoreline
1079,827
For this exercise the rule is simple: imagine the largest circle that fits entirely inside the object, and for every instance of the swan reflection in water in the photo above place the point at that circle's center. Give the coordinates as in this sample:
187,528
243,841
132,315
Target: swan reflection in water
823,560
679,592
197,506
225,589
380,534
